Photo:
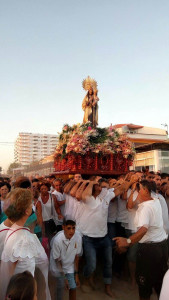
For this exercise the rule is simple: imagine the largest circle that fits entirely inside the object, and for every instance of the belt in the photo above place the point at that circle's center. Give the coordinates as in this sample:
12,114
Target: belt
154,243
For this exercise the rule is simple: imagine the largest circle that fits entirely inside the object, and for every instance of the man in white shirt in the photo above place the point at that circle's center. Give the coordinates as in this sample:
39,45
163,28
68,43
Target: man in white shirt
152,254
155,194
93,225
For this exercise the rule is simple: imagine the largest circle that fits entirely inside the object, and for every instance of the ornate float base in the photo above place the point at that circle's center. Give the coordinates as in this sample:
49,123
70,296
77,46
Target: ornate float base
92,163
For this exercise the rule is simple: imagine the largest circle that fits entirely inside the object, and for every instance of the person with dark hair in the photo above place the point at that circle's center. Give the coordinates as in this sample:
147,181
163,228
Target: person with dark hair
93,225
77,177
51,180
4,190
165,178
152,254
132,206
35,184
57,183
64,259
23,182
49,204
22,286
150,177
1,179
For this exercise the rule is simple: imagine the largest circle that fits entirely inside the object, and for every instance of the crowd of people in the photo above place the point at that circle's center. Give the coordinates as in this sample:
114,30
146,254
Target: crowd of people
63,226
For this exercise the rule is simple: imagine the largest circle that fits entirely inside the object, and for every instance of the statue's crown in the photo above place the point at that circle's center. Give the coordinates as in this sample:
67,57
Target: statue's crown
89,83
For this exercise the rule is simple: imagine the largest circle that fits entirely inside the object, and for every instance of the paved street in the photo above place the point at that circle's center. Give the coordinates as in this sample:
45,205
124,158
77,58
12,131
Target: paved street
121,288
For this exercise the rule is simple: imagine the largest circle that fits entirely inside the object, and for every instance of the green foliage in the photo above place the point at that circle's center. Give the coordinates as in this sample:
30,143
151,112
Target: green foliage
100,137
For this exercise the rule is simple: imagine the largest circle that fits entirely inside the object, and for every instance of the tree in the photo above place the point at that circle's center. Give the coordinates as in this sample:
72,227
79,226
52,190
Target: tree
0,169
12,166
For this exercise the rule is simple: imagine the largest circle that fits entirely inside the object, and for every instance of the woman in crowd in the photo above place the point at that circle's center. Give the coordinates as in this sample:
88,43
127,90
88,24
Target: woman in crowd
22,286
34,221
48,203
4,190
37,208
22,249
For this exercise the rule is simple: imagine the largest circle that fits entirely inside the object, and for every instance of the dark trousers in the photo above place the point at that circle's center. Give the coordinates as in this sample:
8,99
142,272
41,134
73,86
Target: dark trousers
151,265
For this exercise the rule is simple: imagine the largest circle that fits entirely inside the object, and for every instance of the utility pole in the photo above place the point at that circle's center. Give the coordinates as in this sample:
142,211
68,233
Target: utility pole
165,125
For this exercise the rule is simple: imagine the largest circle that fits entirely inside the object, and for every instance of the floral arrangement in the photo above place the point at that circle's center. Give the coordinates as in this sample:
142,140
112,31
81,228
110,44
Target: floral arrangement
82,139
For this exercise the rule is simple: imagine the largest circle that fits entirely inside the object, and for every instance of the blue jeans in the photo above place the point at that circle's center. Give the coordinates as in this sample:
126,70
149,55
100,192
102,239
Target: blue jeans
71,280
90,247
60,284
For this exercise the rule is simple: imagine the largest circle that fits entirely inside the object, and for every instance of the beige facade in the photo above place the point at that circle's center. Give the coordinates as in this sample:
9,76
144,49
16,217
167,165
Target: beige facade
140,135
156,160
154,157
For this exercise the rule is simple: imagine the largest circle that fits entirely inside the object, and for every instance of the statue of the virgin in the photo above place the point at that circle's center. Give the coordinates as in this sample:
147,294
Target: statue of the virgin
90,102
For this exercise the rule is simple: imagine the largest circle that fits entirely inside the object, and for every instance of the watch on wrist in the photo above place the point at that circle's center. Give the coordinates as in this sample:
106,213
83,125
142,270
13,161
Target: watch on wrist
128,241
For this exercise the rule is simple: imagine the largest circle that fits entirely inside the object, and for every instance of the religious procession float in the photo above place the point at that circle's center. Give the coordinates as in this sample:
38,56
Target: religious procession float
88,149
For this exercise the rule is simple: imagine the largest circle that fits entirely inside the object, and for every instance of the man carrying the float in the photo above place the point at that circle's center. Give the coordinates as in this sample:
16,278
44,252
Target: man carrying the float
93,226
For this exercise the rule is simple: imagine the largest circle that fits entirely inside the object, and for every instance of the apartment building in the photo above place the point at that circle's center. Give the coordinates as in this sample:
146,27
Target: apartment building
30,147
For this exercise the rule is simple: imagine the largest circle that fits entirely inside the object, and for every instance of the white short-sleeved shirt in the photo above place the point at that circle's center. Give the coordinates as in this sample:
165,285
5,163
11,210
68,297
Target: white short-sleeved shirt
93,221
66,203
47,208
122,212
149,215
112,211
74,207
79,213
164,208
60,197
22,247
3,232
70,206
132,212
65,251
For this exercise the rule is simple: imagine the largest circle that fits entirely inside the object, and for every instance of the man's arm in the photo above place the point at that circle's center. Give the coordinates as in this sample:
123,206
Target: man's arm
68,186
130,203
39,213
76,264
125,185
81,190
88,191
59,264
75,188
136,237
60,203
57,208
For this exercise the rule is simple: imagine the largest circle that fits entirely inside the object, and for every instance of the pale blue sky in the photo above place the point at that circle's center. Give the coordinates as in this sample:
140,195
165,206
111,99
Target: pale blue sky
49,47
